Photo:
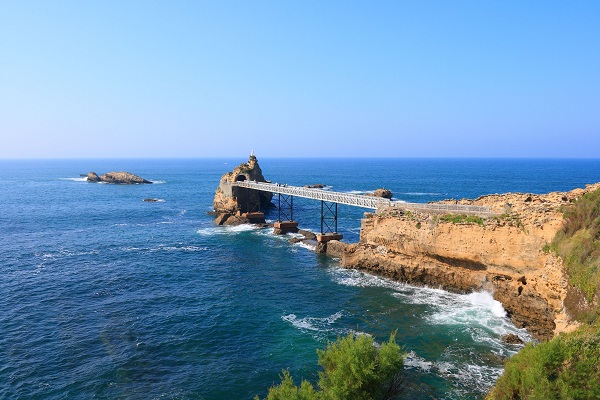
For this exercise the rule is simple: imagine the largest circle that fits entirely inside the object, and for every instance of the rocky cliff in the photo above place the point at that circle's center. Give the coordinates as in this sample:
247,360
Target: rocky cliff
230,202
506,254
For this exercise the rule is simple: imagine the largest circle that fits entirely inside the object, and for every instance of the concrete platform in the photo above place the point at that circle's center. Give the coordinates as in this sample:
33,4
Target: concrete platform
255,217
281,227
326,237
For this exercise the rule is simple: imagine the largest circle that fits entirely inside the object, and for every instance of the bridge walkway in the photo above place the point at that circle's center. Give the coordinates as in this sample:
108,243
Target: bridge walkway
357,200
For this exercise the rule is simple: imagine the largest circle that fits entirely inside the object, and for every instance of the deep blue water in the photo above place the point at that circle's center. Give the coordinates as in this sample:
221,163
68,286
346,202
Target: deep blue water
104,295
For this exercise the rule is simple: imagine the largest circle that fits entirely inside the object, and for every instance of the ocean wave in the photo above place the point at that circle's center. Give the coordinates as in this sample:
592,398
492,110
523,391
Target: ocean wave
303,245
466,376
313,323
476,313
357,191
158,182
353,277
422,194
227,230
181,247
65,253
79,179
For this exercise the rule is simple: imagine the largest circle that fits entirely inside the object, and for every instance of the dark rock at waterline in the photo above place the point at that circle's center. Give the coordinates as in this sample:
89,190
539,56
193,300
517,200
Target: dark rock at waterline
307,234
153,200
93,177
121,178
315,186
511,338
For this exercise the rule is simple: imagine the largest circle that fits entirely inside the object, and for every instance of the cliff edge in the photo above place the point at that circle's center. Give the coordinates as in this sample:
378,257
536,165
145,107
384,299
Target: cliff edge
507,254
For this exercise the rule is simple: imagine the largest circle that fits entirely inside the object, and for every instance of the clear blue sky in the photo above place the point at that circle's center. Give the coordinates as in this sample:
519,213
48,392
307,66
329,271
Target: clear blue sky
299,78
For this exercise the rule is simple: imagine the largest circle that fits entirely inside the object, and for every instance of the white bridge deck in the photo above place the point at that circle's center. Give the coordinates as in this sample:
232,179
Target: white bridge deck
361,200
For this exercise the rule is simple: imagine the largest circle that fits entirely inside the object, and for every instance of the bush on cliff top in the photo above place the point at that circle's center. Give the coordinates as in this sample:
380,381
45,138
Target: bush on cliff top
563,368
462,219
578,243
354,367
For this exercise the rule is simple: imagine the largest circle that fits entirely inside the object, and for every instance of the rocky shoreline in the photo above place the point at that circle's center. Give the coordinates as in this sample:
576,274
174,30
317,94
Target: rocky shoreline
506,254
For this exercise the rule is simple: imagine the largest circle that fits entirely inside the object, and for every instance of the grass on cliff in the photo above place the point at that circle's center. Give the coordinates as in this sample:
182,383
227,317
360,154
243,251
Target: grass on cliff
563,368
578,243
462,219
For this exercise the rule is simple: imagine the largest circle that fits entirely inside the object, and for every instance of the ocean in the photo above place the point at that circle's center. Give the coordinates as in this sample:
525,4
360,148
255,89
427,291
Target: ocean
106,296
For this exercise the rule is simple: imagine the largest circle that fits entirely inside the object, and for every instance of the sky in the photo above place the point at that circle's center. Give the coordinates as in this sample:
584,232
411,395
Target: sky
131,79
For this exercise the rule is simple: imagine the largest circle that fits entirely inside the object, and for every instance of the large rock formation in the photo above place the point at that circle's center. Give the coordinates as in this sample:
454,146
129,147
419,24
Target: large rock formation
385,193
122,178
506,255
231,202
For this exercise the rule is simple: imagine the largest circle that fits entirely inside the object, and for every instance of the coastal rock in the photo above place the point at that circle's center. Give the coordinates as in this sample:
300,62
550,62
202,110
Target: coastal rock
502,254
511,338
122,178
385,193
236,201
335,248
93,177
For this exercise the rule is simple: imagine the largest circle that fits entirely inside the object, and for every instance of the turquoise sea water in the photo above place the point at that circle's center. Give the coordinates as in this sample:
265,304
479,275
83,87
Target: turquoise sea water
104,295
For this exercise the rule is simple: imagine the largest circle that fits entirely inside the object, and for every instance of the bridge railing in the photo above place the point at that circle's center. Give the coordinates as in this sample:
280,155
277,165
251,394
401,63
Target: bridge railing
377,203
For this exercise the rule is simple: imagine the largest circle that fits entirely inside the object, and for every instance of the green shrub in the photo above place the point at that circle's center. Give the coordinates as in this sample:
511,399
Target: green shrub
563,368
462,219
354,367
578,243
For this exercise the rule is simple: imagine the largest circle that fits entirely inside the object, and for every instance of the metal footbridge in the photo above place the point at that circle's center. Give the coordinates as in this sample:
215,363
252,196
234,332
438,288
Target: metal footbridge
360,200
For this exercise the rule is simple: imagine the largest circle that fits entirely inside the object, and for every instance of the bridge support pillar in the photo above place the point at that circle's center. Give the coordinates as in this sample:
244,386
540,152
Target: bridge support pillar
329,224
326,237
256,217
282,227
285,215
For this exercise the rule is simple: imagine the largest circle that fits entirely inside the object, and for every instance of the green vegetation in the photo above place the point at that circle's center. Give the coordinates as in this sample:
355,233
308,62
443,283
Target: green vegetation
511,218
462,219
563,368
354,367
578,243
567,366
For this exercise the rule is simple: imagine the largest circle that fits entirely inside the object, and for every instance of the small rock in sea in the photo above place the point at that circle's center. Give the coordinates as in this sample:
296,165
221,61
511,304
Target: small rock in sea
511,338
153,200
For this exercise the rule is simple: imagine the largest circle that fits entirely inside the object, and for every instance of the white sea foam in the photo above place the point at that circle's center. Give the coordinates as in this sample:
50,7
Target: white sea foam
422,194
307,246
158,182
227,230
465,375
79,179
180,247
356,192
66,253
313,323
477,313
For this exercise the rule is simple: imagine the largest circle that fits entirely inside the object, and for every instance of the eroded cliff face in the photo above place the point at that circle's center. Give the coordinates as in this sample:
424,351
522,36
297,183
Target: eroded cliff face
504,254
